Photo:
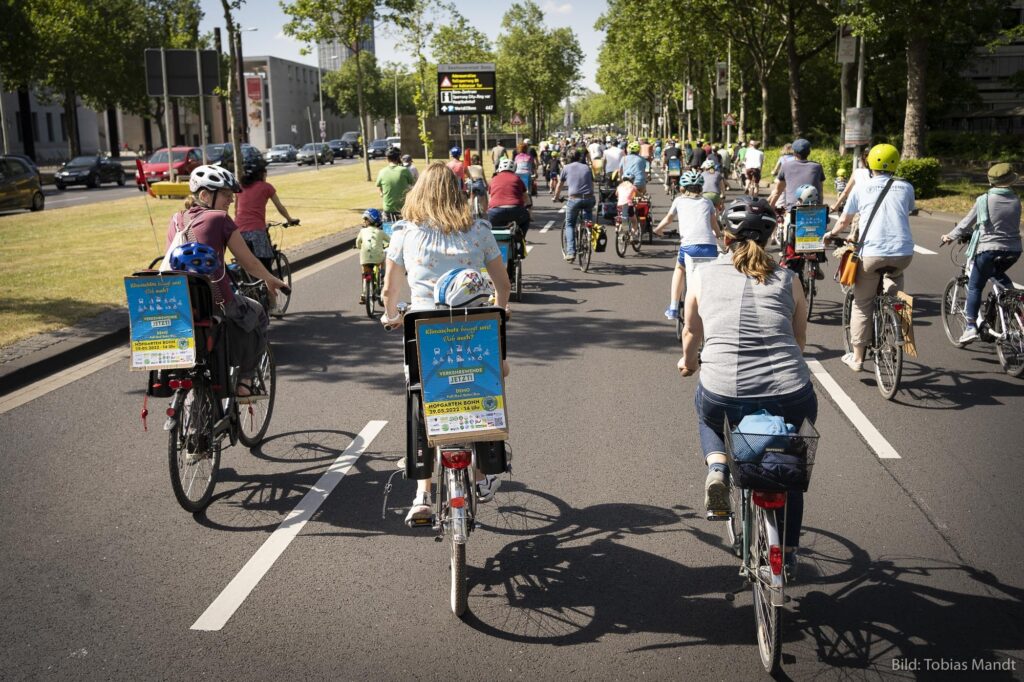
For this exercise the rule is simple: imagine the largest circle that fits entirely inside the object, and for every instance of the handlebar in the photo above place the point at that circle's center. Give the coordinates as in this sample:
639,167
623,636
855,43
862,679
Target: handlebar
391,324
287,223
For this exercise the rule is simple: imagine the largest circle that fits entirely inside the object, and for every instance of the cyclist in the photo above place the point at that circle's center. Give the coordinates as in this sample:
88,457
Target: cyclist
785,156
714,184
840,181
439,235
475,180
524,164
407,162
508,198
672,162
751,315
579,183
612,159
752,162
393,182
888,243
624,195
796,172
636,166
860,174
251,213
455,164
554,169
205,222
698,233
497,153
996,213
699,155
371,242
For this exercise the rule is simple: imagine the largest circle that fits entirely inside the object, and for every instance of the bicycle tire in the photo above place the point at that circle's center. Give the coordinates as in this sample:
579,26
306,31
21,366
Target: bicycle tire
1010,347
254,417
621,240
583,248
193,478
954,303
809,286
888,355
647,227
517,282
636,237
368,297
847,314
283,271
767,617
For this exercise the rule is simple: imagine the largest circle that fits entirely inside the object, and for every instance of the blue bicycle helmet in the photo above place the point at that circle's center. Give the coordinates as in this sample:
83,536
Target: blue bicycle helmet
691,178
455,151
374,216
195,257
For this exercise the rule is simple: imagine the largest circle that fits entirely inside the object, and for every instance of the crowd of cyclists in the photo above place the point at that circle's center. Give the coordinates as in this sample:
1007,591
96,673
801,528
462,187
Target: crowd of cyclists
744,314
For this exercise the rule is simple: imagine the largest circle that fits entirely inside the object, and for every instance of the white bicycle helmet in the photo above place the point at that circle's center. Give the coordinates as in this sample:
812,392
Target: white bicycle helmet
707,165
505,165
212,178
462,288
807,194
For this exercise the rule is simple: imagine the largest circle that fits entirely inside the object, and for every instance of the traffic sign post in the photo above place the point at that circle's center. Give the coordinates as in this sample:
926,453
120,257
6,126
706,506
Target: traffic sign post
516,121
466,89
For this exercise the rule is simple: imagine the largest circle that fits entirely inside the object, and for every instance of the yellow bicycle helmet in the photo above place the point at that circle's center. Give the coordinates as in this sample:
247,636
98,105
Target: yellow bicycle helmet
883,157
634,147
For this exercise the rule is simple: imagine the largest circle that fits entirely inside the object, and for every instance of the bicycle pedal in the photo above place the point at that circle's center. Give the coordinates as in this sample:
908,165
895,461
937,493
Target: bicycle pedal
420,523
718,515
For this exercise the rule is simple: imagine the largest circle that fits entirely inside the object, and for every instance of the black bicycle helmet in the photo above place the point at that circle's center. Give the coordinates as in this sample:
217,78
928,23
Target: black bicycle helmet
750,218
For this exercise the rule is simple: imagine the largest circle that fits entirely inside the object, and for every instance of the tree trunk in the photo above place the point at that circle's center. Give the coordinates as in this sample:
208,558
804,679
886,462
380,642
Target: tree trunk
712,96
236,115
362,111
28,141
913,125
793,58
764,109
743,107
71,116
844,103
700,116
115,136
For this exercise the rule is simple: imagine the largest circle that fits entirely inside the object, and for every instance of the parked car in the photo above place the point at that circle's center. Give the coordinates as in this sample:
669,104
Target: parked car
341,149
281,153
219,154
30,163
19,185
91,171
352,137
378,148
157,168
395,142
252,159
319,150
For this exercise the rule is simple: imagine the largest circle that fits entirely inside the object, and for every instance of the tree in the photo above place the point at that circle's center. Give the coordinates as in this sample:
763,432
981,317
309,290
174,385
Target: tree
810,28
349,22
341,89
458,42
416,30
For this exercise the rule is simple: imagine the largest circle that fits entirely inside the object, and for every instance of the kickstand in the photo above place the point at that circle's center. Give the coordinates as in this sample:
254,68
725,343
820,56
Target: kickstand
731,595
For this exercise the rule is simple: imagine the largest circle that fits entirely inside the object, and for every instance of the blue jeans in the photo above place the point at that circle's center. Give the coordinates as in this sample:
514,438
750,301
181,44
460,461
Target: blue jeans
793,407
987,264
573,208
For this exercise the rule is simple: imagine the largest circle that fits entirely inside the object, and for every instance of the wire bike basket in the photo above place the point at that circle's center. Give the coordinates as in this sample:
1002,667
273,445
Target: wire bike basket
778,462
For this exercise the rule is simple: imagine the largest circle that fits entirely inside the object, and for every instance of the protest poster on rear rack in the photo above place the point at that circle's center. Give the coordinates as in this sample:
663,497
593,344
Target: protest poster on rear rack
463,387
811,222
160,316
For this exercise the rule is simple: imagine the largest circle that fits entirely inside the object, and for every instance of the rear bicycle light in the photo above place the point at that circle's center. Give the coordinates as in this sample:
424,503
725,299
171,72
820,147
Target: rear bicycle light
367,276
775,559
457,502
456,459
769,500
175,384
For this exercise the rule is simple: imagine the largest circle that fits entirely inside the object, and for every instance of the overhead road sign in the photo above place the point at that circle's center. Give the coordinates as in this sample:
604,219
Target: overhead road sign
466,89
182,75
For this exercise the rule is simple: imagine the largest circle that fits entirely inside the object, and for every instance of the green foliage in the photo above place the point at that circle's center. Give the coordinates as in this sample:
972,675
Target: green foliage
975,147
459,42
922,173
596,108
341,93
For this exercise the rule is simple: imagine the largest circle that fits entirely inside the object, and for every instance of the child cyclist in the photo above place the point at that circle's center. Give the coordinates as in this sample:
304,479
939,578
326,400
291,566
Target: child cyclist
371,242
554,169
698,232
624,195
840,181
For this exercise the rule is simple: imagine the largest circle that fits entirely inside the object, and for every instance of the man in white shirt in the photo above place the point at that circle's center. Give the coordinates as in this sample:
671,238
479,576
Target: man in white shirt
752,167
596,150
612,159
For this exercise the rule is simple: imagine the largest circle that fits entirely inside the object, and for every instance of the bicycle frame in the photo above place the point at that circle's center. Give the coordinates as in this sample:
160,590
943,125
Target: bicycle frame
751,502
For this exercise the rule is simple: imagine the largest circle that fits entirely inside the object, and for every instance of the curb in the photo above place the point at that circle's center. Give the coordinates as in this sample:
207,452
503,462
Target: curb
84,344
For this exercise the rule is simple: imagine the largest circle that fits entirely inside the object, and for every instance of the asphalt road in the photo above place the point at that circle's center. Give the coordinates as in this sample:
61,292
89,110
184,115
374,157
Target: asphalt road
594,562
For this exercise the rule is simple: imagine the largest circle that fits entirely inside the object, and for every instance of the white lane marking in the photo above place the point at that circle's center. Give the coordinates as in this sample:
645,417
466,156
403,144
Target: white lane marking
1018,286
547,226
529,248
875,440
225,605
61,379
924,251
562,210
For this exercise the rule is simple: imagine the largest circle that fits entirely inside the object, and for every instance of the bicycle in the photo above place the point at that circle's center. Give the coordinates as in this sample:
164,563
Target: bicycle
205,408
758,535
583,233
1001,318
628,234
691,266
886,345
454,496
805,261
373,285
642,208
282,269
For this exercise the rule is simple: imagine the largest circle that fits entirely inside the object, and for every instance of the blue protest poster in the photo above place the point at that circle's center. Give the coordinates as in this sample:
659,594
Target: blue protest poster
160,317
504,239
460,371
810,224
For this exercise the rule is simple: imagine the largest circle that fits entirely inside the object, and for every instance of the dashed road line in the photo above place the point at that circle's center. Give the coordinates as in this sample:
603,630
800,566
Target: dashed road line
872,436
924,251
236,592
547,226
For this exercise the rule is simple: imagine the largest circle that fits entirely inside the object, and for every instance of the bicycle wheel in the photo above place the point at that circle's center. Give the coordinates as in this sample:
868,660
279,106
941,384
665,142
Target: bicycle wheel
954,305
621,239
680,323
847,312
369,297
457,551
635,237
1010,347
734,528
767,616
283,271
809,285
517,281
888,354
254,415
192,451
583,248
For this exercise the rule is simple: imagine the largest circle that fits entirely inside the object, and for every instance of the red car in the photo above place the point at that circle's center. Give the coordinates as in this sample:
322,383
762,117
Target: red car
157,168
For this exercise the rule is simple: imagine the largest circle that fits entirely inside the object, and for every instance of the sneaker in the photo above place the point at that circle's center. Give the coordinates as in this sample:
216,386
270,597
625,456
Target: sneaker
970,334
486,487
818,274
570,257
850,362
671,313
362,300
420,509
790,566
716,493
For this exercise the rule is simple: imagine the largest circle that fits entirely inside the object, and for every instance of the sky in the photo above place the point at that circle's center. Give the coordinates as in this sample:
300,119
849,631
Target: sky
269,39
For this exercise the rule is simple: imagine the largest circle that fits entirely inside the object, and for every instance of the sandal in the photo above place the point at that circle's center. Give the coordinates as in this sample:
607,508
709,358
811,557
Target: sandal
245,392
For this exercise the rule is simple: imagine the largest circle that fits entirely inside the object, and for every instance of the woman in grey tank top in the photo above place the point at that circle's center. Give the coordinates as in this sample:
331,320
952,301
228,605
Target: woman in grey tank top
751,315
